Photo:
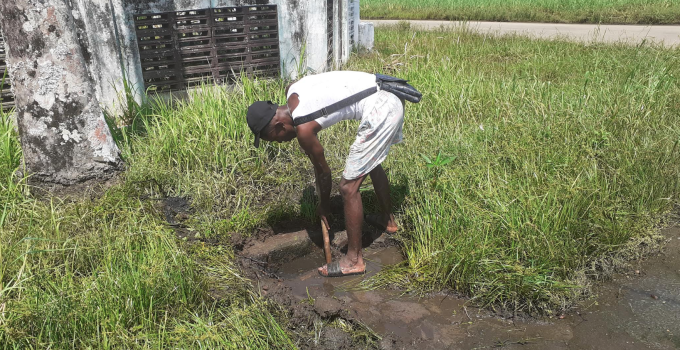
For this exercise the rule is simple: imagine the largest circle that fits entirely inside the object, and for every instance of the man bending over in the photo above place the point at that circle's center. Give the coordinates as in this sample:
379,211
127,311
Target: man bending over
382,117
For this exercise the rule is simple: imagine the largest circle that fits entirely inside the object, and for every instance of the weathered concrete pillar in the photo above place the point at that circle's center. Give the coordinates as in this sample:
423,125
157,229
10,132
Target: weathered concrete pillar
291,35
302,36
349,27
366,36
316,40
63,134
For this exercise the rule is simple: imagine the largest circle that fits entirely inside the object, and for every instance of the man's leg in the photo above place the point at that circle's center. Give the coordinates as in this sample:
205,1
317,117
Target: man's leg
382,189
354,218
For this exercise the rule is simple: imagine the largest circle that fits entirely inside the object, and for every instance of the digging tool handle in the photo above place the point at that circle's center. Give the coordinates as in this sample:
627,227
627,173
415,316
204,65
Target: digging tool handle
326,242
324,230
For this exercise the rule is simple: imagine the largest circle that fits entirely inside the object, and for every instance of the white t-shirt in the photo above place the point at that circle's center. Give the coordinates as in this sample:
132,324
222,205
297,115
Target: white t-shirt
321,90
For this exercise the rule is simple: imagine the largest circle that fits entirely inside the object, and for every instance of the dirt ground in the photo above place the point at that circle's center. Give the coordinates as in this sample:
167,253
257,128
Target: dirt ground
638,309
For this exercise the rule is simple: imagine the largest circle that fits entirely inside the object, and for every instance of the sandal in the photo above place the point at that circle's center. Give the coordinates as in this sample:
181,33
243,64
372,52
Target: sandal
334,270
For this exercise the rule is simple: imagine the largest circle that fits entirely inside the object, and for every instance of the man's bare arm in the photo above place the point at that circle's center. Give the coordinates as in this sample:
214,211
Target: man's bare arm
312,147
306,135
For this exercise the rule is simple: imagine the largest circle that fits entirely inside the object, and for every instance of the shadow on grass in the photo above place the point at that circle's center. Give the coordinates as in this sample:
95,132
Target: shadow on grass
284,221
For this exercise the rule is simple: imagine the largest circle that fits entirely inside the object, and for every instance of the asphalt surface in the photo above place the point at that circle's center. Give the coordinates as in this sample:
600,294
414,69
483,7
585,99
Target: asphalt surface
630,34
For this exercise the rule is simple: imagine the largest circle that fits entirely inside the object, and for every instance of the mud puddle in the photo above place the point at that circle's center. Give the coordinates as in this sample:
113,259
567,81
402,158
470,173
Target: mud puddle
636,310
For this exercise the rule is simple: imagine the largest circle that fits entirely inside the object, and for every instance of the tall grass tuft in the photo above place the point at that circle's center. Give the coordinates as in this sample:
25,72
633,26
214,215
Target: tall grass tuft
10,155
564,158
201,147
559,157
109,272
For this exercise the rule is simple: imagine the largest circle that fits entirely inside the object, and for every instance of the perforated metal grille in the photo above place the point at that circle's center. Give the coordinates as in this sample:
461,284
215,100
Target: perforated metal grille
350,21
6,97
185,48
329,33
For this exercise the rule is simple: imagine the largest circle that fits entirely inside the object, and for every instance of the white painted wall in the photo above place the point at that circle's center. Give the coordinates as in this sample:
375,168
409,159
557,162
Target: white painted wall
302,28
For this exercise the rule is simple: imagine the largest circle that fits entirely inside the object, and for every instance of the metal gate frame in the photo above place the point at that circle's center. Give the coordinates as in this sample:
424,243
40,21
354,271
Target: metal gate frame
330,40
350,23
181,49
6,96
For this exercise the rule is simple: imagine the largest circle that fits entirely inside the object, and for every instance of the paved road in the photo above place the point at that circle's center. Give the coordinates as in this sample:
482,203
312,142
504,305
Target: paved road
632,34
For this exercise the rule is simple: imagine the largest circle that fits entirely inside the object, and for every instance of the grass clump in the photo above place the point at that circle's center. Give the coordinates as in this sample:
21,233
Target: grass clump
108,272
201,148
546,161
553,158
570,11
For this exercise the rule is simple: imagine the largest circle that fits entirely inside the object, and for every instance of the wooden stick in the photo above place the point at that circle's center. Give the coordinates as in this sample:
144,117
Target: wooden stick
324,230
326,242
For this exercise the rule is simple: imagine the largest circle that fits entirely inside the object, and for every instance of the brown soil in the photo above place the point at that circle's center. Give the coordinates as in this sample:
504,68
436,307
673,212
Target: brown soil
308,307
303,314
639,309
303,317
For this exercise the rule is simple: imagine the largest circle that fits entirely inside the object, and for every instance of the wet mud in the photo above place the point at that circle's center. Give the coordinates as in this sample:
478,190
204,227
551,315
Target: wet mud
636,309
639,309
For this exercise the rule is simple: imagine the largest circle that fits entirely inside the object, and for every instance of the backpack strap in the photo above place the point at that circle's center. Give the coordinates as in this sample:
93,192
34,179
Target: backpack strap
335,106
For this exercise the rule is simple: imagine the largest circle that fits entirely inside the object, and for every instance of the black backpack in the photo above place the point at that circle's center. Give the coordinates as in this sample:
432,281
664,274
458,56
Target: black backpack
400,87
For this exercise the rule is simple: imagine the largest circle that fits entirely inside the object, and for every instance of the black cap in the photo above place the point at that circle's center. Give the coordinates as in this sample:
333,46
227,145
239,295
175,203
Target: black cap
259,115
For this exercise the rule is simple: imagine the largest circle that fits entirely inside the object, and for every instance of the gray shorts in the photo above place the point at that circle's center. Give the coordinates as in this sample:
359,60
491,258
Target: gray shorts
380,128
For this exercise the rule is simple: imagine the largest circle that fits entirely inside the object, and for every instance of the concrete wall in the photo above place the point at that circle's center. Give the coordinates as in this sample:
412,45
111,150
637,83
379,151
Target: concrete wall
107,35
109,28
302,29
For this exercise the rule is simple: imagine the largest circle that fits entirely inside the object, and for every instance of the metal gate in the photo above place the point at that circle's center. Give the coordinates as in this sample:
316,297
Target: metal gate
350,22
329,34
181,49
6,97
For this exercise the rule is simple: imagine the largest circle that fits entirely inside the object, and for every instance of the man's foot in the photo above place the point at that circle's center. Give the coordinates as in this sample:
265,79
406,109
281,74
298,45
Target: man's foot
342,267
383,222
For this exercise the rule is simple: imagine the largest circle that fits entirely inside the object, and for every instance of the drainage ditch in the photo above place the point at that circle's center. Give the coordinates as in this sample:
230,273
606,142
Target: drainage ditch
637,309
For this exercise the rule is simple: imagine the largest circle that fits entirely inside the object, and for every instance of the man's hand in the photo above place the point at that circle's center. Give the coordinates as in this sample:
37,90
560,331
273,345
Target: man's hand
323,211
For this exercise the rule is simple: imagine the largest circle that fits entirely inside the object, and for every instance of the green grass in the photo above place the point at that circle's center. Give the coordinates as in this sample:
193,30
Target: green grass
563,158
561,11
563,161
109,273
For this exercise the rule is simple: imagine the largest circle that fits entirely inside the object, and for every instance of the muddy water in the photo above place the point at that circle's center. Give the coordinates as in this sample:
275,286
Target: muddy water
637,310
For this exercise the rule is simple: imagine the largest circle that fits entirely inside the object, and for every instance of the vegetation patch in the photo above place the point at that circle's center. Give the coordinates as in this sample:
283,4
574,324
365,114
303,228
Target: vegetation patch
109,272
526,169
529,164
559,11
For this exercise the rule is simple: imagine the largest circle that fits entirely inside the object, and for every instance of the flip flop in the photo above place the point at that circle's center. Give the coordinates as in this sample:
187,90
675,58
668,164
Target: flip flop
334,270
378,225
